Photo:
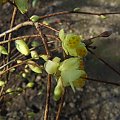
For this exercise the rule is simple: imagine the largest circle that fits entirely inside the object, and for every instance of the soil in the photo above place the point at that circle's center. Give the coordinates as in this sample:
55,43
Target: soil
96,101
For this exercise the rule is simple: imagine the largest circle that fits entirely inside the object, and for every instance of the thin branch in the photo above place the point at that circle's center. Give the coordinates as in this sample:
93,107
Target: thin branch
46,113
102,81
51,15
23,62
60,106
108,65
43,37
27,23
79,12
11,25
27,36
49,27
89,41
9,37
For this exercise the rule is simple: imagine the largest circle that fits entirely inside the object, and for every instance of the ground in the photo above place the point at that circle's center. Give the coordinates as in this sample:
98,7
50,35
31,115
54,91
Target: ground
96,101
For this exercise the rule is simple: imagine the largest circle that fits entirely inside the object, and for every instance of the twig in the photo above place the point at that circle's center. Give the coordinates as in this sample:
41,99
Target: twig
102,81
27,23
60,106
48,98
23,62
9,37
27,36
108,65
49,27
51,15
43,37
89,41
79,12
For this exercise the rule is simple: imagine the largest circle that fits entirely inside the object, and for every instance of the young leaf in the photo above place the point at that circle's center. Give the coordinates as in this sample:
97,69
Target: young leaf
61,34
3,50
34,67
34,18
22,47
22,5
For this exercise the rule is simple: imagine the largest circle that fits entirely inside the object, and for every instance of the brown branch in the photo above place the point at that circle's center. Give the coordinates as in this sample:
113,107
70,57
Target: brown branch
43,37
89,41
27,23
60,106
102,81
48,98
79,12
9,37
23,62
49,27
27,36
108,65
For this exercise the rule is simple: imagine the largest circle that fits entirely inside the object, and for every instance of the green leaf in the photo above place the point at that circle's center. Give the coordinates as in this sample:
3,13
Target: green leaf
44,57
61,34
3,50
34,18
22,47
22,5
34,67
30,85
35,43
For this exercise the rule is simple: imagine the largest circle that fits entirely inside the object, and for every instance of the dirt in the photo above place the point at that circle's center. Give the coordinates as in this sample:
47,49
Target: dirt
96,101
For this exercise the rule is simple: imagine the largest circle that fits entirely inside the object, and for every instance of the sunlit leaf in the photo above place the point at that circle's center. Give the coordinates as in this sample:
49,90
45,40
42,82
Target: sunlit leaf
22,47
34,67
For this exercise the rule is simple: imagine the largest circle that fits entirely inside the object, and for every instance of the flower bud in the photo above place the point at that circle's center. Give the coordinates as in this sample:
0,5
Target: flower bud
34,18
34,54
24,75
2,83
9,90
30,85
19,61
51,67
26,70
59,89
